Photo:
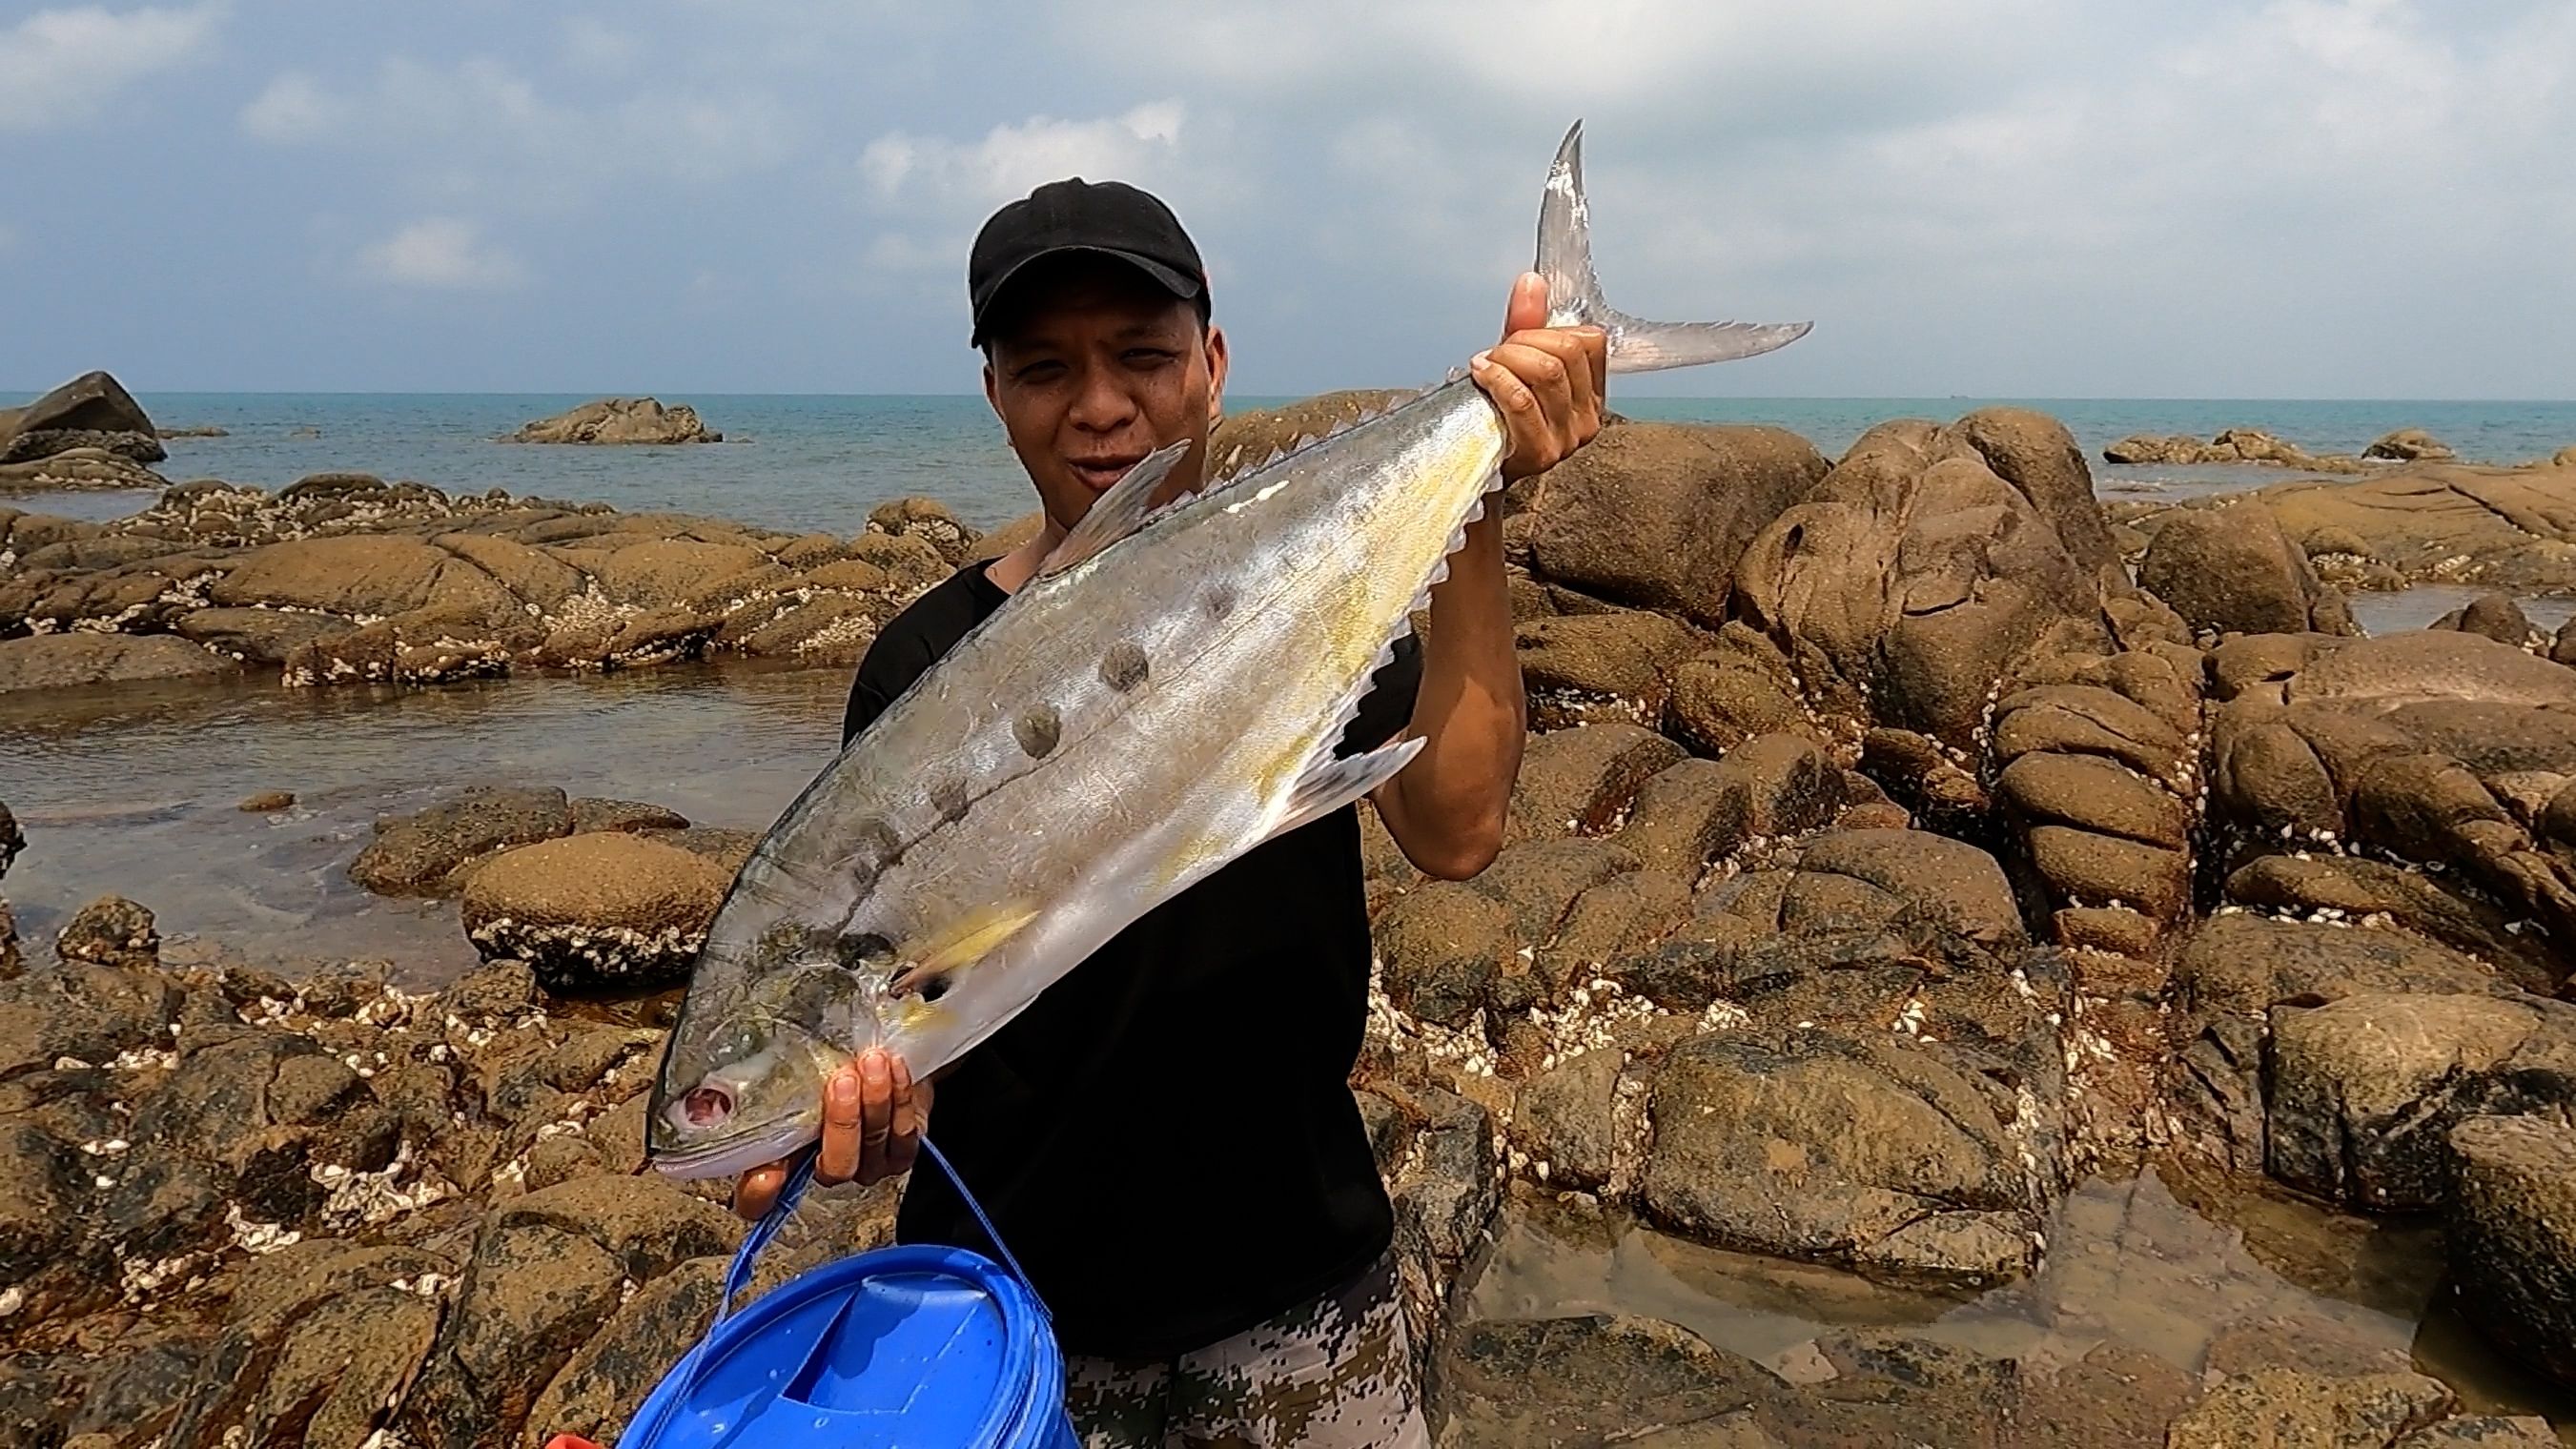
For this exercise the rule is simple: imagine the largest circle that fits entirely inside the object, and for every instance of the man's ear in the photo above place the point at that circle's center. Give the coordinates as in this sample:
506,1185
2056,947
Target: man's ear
992,389
1216,374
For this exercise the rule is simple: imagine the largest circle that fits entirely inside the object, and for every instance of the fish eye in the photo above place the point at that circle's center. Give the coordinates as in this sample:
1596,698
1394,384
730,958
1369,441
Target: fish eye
706,1106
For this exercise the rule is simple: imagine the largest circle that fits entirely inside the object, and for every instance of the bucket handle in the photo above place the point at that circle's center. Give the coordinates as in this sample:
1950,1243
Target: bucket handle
738,1276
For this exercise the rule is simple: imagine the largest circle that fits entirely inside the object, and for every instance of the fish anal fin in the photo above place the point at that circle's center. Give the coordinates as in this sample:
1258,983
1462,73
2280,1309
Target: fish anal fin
1331,783
1118,512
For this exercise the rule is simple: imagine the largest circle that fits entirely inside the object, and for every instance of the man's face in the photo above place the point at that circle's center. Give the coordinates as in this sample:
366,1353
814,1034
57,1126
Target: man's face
1093,368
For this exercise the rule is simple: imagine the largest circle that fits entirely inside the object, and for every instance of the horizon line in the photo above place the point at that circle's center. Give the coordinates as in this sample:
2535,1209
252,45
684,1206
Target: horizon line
688,395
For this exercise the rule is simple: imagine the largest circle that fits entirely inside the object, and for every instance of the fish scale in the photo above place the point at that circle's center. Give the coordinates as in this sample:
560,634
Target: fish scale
1164,695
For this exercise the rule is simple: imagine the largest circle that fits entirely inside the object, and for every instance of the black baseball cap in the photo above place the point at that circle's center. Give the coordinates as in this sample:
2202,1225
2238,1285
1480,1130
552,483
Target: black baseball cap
1108,217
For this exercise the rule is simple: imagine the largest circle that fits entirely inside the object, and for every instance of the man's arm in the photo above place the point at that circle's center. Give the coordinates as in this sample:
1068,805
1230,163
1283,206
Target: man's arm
1446,809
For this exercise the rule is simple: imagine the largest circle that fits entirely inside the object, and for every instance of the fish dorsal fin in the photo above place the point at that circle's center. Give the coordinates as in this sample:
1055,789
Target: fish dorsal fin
1118,512
1332,782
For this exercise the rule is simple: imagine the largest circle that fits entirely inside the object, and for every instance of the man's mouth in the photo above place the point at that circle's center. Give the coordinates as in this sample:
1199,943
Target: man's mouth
1097,474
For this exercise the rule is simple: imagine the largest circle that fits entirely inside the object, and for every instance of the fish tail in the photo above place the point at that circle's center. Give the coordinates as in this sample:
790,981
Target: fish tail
1574,293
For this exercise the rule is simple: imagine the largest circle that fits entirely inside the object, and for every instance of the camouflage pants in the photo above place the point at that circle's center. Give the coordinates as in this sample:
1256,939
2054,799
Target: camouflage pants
1336,1373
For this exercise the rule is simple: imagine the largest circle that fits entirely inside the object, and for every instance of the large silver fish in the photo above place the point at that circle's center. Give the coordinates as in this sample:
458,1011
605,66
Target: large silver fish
1165,695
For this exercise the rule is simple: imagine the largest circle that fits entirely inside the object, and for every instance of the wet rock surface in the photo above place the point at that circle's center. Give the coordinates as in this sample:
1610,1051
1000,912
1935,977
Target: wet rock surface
1895,896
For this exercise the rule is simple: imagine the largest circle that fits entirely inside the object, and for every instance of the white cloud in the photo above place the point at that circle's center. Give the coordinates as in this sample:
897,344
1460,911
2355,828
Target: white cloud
931,192
444,254
479,128
61,67
293,108
1011,160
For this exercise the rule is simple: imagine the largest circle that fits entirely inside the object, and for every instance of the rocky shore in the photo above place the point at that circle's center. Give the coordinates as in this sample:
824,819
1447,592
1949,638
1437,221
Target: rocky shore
1906,844
346,578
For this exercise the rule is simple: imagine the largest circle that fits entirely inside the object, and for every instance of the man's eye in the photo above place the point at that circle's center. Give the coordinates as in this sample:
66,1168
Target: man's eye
1040,372
1149,356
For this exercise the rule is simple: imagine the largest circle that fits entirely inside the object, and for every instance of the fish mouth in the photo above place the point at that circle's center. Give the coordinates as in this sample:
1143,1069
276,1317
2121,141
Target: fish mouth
736,1157
1099,474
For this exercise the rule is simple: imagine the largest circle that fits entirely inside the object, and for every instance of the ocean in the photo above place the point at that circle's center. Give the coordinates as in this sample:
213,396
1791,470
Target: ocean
804,463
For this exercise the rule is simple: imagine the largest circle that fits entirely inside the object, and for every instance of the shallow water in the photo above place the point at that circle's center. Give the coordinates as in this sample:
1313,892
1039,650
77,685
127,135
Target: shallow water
2414,608
2280,1279
135,790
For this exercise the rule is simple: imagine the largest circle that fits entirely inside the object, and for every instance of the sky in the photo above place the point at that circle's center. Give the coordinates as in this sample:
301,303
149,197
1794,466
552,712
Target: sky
2034,198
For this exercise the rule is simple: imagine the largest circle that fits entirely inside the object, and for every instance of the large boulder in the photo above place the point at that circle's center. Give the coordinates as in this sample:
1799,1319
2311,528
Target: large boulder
595,909
92,410
2233,571
2512,1236
1811,1145
619,420
1654,515
2363,1091
1911,579
62,661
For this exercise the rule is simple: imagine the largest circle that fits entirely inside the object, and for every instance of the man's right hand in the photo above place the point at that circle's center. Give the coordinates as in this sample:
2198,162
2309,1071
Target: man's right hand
873,1114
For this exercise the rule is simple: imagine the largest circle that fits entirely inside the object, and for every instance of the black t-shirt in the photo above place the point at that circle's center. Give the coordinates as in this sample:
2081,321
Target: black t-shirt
1166,1137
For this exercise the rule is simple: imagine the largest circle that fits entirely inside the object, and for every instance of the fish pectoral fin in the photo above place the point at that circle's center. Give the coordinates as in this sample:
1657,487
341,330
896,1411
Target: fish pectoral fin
1331,783
1118,512
960,943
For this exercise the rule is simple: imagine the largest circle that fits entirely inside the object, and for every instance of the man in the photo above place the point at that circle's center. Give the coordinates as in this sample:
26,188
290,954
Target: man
1166,1137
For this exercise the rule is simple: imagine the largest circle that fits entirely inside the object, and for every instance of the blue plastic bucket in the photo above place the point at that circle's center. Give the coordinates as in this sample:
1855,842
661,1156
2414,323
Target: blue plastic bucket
919,1347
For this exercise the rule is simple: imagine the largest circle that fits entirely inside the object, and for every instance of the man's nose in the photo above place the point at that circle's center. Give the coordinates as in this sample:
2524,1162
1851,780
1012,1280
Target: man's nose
1102,406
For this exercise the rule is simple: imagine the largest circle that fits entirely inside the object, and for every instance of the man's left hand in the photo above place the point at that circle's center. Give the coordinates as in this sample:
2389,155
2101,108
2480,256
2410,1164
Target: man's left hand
1547,381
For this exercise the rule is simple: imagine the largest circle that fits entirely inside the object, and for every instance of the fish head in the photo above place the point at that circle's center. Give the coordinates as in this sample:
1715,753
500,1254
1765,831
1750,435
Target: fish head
743,1075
